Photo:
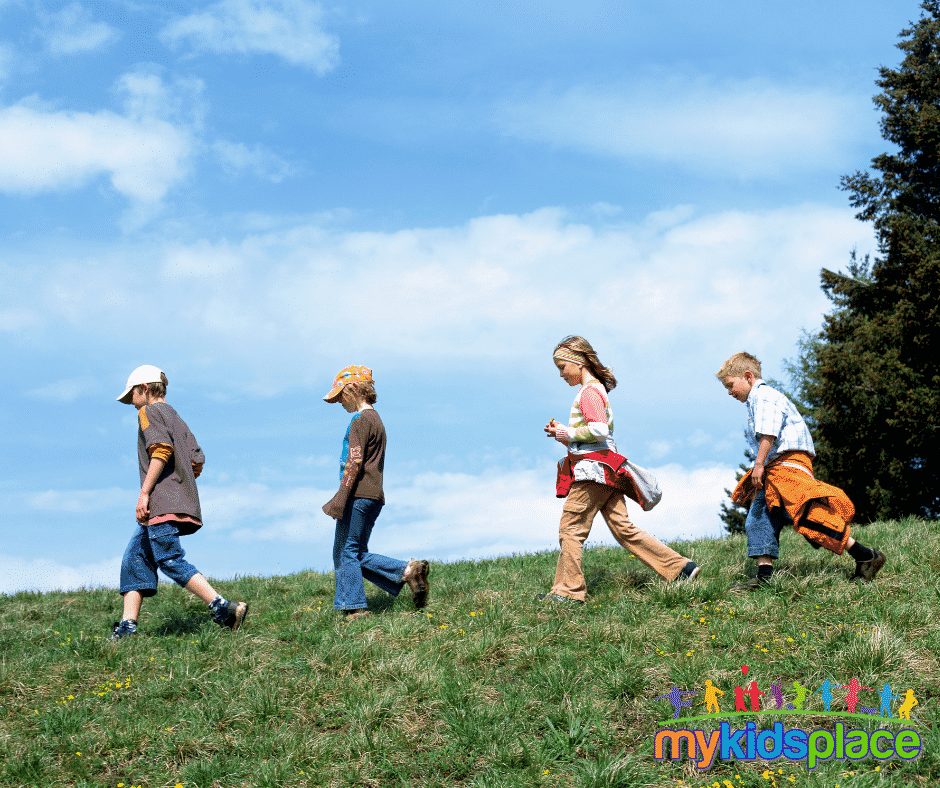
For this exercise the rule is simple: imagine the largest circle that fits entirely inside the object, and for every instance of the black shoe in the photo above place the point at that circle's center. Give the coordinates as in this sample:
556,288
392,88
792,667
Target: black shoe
689,572
231,615
866,570
122,629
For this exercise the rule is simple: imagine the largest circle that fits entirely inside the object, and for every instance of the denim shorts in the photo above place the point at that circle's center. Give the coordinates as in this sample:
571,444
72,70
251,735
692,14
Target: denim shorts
763,527
150,547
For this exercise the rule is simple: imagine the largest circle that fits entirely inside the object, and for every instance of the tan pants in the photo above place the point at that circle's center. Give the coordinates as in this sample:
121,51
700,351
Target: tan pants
586,499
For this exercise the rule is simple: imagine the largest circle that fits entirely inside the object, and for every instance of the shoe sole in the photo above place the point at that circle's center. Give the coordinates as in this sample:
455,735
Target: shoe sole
876,563
241,610
419,584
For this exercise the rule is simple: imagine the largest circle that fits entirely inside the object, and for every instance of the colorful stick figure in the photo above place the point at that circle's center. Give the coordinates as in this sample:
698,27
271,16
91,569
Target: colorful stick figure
711,697
851,700
886,698
755,695
825,691
739,700
777,691
800,695
904,711
675,697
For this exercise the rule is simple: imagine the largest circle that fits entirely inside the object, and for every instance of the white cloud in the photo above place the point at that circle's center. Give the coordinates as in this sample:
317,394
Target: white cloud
290,29
112,499
486,289
18,574
72,30
66,390
144,155
742,129
237,158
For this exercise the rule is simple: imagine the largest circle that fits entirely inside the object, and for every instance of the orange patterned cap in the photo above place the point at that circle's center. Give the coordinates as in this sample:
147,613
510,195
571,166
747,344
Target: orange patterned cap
353,374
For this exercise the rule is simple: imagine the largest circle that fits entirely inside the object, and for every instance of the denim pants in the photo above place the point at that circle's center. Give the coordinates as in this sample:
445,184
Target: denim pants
353,561
150,547
763,527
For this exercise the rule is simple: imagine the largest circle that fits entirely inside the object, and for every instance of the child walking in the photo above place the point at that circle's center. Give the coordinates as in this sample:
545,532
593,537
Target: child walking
594,486
781,487
360,498
167,508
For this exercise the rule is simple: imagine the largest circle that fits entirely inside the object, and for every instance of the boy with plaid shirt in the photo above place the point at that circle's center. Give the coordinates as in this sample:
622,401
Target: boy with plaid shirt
781,487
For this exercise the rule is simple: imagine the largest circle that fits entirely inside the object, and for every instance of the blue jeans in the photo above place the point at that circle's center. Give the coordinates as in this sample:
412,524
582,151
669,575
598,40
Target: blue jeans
150,547
763,527
353,561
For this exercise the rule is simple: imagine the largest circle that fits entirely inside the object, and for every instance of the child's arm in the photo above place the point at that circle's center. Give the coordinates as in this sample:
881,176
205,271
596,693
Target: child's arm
150,480
766,443
336,506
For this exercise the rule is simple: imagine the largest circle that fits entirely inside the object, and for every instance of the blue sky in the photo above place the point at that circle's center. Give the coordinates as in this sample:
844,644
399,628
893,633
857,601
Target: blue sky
252,194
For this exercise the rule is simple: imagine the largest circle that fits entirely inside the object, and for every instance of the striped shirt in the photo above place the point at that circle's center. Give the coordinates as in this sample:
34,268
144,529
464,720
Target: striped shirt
590,428
770,413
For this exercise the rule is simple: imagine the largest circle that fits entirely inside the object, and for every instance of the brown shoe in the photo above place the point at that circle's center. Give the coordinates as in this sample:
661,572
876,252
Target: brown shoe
754,584
416,576
866,570
350,615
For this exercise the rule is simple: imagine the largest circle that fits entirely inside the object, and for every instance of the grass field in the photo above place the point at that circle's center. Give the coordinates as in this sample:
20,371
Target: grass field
485,687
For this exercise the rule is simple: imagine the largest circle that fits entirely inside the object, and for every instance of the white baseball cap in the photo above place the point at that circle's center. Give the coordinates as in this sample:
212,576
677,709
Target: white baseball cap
145,374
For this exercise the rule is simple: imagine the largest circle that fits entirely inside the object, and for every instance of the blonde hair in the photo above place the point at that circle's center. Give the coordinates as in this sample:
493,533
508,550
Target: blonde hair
580,345
363,391
737,365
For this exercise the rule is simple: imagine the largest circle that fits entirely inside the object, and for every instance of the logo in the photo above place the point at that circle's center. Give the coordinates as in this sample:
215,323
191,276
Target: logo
702,746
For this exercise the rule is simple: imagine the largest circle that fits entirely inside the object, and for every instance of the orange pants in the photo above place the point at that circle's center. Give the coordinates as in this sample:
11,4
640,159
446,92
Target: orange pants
584,501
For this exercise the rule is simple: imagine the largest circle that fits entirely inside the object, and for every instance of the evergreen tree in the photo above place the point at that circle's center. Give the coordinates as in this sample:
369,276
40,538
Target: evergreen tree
733,516
871,378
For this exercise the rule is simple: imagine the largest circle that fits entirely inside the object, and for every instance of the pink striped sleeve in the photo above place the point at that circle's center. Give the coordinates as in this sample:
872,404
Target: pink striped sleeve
592,405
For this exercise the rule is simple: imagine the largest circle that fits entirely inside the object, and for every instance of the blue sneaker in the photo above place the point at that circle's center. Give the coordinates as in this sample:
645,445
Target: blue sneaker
123,629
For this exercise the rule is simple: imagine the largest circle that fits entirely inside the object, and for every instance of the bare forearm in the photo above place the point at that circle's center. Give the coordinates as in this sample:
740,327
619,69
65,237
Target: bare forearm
154,470
763,449
153,473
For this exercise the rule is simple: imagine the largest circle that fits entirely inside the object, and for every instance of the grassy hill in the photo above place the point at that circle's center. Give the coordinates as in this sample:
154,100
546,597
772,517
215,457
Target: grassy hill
484,688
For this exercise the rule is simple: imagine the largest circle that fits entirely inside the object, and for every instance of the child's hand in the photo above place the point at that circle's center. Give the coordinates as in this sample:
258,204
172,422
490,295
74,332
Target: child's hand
143,507
557,431
757,475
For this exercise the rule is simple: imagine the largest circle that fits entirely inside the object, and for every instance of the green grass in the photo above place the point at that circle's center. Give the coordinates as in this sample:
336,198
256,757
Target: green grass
484,688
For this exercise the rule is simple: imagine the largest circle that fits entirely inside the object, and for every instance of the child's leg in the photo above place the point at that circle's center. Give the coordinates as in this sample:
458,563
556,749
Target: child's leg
138,574
169,554
382,571
347,549
763,531
132,603
664,561
583,502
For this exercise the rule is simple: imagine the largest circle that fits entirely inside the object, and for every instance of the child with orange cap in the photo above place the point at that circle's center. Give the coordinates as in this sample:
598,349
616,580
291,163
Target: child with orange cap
360,498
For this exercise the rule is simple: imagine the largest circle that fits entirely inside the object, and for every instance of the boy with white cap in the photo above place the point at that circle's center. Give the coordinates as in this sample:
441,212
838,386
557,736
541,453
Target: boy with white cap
167,508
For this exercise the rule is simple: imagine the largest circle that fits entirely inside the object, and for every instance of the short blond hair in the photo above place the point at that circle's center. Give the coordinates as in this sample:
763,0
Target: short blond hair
737,365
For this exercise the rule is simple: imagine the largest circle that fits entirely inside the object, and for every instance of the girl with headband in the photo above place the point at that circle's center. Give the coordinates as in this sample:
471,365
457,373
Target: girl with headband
594,484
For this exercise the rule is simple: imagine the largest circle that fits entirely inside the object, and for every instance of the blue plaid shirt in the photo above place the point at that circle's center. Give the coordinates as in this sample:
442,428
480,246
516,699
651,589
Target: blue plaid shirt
770,413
